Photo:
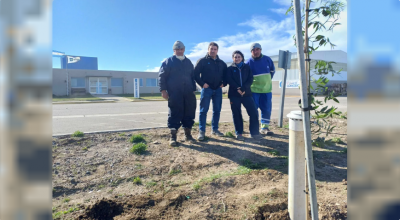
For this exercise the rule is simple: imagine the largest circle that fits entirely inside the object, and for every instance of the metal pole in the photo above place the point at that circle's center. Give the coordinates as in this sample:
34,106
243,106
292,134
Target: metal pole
306,117
66,67
283,90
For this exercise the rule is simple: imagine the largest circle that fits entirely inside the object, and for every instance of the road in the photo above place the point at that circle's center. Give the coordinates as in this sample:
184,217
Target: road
67,118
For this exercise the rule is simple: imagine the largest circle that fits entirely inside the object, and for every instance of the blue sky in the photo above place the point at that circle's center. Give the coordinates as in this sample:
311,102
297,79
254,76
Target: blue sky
137,35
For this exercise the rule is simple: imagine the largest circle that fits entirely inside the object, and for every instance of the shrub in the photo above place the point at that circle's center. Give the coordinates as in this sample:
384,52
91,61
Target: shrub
137,181
77,134
139,148
137,138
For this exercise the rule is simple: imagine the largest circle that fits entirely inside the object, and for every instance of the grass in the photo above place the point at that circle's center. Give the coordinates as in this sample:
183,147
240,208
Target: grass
78,134
229,134
85,149
249,164
137,181
240,171
87,97
137,138
173,172
100,186
196,124
61,213
275,153
65,200
138,166
138,149
122,134
151,183
337,140
286,126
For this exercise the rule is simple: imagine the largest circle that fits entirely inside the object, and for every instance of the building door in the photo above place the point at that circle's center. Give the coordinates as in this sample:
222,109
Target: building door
98,85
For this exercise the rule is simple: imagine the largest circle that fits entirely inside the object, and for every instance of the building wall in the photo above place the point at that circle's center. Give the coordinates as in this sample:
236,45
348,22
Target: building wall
60,80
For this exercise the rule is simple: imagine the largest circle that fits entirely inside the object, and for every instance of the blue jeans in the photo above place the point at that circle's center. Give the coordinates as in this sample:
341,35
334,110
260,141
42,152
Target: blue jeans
206,96
264,102
248,103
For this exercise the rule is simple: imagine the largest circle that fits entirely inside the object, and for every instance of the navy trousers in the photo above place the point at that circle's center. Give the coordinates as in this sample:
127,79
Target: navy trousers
182,109
250,106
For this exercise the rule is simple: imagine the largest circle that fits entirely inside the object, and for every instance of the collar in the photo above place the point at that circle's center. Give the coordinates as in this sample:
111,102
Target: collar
209,57
258,58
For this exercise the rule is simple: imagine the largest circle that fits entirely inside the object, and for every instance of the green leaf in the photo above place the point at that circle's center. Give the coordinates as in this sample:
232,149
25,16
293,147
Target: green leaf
335,99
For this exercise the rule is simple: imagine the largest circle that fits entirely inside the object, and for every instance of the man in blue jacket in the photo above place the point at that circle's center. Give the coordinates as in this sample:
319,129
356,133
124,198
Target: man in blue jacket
177,85
210,73
263,71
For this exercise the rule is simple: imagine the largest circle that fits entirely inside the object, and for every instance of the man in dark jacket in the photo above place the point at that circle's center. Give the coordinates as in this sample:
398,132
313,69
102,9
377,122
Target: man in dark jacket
210,73
177,85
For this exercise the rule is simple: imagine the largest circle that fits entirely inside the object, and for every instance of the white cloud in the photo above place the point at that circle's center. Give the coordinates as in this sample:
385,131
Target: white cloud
279,10
155,69
284,2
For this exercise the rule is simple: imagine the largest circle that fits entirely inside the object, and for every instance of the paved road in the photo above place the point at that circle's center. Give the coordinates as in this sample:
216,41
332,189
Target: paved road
67,118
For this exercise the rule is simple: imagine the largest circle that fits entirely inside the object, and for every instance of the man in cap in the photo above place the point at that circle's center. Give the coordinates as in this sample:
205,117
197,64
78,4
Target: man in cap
263,71
210,73
177,85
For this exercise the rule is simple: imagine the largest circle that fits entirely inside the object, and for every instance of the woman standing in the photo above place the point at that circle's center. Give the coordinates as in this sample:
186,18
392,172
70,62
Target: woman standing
240,78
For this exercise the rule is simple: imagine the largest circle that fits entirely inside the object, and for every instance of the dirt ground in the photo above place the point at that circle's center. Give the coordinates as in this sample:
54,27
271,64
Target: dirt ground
219,178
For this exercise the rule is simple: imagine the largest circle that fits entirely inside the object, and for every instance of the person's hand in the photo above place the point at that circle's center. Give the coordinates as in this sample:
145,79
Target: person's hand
165,94
205,85
239,91
243,93
222,85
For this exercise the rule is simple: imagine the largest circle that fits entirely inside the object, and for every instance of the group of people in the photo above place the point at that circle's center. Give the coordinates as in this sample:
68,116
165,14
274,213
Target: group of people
249,83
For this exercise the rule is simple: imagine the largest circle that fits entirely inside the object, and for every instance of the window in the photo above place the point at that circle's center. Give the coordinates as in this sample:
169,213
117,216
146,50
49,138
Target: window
141,82
151,82
77,82
116,82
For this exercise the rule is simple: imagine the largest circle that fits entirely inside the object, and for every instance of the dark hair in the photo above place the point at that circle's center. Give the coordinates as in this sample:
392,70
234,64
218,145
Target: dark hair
238,52
213,44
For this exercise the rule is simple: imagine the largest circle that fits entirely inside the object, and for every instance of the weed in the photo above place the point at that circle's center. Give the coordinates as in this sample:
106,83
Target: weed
274,153
137,181
54,209
77,134
196,186
66,200
85,149
286,126
337,140
110,191
138,149
122,134
173,172
151,183
273,193
249,164
229,134
138,166
196,124
255,198
137,138
100,186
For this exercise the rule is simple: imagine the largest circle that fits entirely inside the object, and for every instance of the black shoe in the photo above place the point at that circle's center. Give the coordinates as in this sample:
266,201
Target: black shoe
172,140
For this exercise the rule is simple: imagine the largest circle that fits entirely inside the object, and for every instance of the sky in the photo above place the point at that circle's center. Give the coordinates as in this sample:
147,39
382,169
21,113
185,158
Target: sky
133,35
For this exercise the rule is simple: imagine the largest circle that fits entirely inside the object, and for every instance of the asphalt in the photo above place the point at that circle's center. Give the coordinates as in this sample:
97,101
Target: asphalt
101,117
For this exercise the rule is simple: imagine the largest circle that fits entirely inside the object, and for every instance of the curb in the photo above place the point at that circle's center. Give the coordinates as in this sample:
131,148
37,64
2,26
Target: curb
112,131
81,102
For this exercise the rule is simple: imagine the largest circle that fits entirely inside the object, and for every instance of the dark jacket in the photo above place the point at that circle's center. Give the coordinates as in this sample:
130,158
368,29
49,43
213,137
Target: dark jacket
239,77
210,71
176,75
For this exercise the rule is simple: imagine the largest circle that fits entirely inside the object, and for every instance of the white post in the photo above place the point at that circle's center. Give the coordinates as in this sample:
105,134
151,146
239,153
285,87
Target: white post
136,85
297,164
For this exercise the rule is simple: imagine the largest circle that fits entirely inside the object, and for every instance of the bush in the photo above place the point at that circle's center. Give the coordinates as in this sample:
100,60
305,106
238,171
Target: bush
137,138
137,181
77,134
229,134
138,149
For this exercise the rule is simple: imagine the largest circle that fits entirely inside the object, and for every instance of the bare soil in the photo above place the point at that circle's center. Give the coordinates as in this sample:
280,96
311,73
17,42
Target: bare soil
219,178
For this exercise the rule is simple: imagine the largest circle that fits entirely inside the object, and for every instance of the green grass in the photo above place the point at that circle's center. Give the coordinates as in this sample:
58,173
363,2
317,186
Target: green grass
61,213
122,134
173,172
196,124
275,153
65,200
229,134
85,149
138,149
78,134
137,138
87,97
137,181
337,140
100,186
157,96
241,170
151,183
286,126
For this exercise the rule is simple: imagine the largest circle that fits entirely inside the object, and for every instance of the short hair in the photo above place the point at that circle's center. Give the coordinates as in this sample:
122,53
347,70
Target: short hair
238,52
213,44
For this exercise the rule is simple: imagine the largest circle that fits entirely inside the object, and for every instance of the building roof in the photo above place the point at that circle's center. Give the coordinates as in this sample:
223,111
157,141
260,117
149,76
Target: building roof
337,56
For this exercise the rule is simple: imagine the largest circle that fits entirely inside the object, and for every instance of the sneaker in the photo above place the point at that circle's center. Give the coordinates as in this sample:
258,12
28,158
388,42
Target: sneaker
240,137
217,133
266,131
256,136
201,136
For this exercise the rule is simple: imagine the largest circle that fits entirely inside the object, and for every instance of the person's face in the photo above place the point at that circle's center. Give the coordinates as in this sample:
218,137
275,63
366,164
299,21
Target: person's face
179,52
256,52
212,51
237,58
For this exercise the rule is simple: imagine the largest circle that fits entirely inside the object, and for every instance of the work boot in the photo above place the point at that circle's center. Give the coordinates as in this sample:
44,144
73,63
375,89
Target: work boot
201,136
188,134
172,140
266,131
217,133
240,137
